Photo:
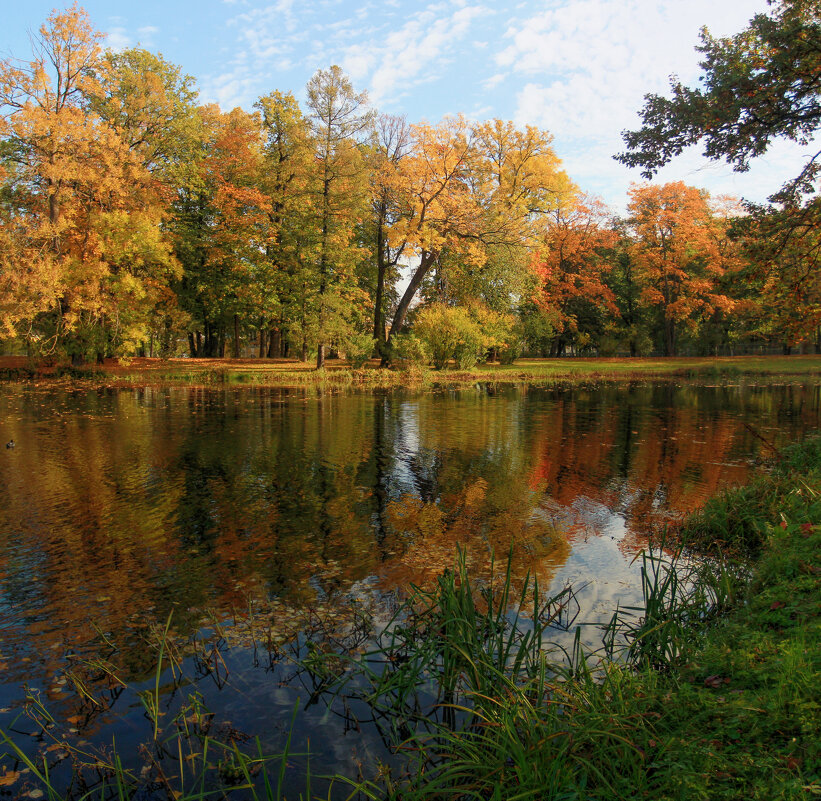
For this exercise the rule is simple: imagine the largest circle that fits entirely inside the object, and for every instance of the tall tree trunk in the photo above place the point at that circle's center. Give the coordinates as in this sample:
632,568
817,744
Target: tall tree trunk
236,336
151,345
381,267
274,344
425,263
323,266
669,336
304,356
263,346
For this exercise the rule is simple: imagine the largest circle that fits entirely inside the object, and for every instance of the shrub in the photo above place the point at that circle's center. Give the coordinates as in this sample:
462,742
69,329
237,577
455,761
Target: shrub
411,351
444,329
358,348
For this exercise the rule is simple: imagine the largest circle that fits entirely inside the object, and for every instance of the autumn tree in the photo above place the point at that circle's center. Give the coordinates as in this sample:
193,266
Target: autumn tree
82,247
681,250
757,86
390,144
288,180
339,121
152,105
470,190
572,267
225,229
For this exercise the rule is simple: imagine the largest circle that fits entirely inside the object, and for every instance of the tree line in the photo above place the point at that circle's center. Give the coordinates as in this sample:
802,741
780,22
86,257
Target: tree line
134,219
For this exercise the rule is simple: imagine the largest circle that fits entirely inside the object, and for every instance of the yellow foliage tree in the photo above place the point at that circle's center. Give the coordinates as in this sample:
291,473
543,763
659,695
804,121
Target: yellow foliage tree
82,256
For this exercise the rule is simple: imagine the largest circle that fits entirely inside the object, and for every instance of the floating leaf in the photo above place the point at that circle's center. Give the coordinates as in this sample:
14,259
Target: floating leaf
9,778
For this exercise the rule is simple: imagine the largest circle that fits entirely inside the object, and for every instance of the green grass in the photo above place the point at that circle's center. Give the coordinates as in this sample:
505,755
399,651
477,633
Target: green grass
339,374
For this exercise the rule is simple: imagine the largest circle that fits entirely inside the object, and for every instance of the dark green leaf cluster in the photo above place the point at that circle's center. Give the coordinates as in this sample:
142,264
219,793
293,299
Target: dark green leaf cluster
761,84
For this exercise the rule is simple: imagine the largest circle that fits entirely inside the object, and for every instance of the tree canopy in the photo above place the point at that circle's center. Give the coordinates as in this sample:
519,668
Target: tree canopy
136,220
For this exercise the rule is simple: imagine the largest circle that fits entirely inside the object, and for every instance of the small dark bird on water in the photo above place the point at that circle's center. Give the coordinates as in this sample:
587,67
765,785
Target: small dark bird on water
10,444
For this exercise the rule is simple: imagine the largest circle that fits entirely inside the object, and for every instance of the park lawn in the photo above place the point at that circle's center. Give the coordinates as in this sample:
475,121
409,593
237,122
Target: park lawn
290,372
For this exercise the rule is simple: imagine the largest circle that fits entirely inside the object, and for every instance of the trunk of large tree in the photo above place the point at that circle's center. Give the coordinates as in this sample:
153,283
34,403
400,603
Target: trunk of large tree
422,270
263,345
381,268
323,266
669,337
274,343
236,336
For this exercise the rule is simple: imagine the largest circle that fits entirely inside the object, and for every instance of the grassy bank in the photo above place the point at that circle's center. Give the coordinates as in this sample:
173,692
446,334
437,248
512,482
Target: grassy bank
290,373
710,690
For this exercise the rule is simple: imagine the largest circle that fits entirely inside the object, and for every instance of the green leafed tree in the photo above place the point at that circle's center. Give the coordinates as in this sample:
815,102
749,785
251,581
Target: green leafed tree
340,121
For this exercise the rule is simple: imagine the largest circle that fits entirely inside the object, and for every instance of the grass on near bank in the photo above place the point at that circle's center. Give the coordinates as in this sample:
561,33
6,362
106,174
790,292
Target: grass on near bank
337,373
710,690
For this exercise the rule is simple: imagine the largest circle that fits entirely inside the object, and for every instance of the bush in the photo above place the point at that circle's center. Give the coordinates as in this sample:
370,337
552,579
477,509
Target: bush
411,351
462,333
358,348
443,329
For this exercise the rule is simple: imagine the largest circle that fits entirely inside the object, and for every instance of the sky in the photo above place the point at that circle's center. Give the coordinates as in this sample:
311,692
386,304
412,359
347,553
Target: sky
576,68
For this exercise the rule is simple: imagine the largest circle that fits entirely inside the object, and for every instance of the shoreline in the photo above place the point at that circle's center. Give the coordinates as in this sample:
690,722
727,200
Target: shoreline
290,373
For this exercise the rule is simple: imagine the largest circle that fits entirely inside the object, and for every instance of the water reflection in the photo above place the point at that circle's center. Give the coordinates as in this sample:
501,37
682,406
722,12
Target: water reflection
118,506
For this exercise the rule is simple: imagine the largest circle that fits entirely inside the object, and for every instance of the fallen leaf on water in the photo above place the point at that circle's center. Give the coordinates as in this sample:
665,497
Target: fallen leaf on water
7,779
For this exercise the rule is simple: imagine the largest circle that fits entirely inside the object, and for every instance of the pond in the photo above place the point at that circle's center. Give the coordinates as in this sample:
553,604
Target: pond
241,515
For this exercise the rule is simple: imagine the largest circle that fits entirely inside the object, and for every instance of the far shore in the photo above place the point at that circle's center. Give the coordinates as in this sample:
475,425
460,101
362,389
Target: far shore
291,372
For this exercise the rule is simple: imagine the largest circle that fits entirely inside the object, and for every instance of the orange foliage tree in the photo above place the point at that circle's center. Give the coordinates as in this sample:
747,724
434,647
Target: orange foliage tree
570,265
681,250
469,190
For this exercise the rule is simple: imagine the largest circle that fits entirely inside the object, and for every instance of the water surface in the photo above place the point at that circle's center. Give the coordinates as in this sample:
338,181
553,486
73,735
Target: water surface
118,507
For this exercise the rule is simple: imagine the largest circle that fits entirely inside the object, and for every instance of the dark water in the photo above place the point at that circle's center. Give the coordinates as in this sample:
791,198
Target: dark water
118,507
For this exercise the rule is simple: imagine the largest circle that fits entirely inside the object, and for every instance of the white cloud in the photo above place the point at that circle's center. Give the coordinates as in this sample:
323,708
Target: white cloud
417,51
587,64
493,81
229,89
591,61
117,39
